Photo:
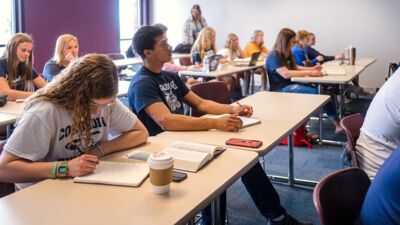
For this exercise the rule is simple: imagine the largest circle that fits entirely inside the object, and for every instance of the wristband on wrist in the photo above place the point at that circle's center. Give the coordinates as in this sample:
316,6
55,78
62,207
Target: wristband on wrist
62,169
53,170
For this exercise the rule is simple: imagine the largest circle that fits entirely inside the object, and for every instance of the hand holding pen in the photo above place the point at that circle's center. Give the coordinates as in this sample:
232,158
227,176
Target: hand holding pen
243,110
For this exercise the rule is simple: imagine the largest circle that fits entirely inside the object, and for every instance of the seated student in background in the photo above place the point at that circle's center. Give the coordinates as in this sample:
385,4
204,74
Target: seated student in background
382,202
380,132
256,44
232,51
299,52
66,51
203,47
65,126
281,67
312,53
172,67
18,79
160,107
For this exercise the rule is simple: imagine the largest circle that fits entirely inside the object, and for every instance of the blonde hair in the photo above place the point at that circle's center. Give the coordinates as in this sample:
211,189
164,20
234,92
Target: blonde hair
61,44
93,76
13,64
229,46
301,35
203,42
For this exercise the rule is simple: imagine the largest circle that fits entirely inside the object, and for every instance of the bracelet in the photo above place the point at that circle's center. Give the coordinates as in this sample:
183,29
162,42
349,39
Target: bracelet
53,170
100,150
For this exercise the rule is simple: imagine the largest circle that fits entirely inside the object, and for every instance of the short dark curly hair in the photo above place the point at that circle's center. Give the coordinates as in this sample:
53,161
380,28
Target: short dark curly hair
145,38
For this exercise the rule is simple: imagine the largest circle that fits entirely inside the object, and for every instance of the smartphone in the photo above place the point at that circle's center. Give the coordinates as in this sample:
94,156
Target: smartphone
244,143
178,176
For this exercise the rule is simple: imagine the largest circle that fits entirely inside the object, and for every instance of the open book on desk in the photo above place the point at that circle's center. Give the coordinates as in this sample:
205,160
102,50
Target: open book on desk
191,156
116,173
247,121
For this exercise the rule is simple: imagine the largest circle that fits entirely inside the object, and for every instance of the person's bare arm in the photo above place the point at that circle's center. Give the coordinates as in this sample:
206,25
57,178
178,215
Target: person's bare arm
176,122
301,72
39,82
12,94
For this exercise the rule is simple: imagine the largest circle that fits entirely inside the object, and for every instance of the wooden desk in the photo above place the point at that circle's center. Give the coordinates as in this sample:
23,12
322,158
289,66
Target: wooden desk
123,87
280,114
63,202
352,71
137,60
227,69
365,62
11,110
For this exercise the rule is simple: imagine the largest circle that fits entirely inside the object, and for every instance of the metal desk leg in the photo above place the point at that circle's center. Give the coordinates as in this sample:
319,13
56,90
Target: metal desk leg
291,160
341,93
191,222
215,211
252,81
321,121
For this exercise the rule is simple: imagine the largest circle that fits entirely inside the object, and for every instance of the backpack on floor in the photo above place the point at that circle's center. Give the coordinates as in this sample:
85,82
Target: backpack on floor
299,138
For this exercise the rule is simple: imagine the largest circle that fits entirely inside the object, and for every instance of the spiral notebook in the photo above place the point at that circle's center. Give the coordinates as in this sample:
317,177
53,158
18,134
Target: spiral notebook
116,173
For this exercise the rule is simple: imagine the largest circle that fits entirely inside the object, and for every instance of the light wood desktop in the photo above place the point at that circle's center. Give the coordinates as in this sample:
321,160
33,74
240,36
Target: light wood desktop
227,69
63,202
352,71
11,110
137,60
280,114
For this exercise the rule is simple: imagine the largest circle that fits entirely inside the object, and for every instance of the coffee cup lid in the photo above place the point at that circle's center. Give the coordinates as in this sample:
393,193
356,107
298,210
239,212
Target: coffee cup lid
160,157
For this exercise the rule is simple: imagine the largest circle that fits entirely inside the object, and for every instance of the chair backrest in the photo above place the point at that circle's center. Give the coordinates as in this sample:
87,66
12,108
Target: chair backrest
216,91
339,196
185,61
351,125
5,188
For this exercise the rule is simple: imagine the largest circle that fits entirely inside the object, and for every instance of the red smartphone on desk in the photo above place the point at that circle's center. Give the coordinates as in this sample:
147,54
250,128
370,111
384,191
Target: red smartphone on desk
244,143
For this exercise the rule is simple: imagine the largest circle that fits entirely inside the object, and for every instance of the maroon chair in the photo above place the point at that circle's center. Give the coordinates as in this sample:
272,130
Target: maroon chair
216,91
5,188
339,196
185,61
351,125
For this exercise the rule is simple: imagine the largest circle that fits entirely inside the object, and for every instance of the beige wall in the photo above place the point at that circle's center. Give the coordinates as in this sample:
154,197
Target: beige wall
372,26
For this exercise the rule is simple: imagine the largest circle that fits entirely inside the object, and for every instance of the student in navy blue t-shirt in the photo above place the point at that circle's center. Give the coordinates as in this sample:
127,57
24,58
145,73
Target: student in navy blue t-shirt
299,51
382,202
157,97
281,67
18,79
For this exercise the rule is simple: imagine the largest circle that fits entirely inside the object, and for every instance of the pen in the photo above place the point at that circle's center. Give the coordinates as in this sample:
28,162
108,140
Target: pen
246,109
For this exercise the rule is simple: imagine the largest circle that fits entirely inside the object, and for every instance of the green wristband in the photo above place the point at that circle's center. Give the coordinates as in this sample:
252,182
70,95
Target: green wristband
53,170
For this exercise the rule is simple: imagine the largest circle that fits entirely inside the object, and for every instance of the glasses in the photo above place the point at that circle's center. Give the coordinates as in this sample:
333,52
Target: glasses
95,105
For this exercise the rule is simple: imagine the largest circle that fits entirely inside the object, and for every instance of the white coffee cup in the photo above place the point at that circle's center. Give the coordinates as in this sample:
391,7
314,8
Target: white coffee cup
161,165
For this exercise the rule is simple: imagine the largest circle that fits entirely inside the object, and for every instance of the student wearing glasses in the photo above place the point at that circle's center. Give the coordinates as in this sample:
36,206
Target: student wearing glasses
18,79
160,108
65,126
66,51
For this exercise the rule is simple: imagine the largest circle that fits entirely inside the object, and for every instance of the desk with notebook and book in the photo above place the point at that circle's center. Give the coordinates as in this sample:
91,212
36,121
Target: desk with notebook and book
92,204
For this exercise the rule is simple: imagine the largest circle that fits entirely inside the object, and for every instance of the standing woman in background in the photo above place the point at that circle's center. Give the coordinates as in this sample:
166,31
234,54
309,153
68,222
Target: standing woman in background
256,44
66,51
193,25
18,79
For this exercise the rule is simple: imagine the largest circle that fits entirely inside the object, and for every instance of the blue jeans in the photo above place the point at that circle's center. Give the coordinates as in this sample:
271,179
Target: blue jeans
261,191
329,108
